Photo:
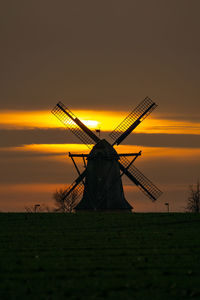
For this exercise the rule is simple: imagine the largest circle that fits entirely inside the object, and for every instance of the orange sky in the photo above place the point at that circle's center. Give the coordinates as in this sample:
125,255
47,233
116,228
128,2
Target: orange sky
161,160
19,196
100,58
154,160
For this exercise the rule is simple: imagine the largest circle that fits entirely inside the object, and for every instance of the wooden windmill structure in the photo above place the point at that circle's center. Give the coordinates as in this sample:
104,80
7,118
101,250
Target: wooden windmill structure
100,183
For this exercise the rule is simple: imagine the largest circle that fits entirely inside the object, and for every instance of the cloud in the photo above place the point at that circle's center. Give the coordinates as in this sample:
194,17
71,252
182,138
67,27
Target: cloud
12,138
48,163
164,140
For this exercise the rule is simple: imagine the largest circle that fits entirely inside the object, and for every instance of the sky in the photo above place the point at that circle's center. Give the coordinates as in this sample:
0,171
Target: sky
101,59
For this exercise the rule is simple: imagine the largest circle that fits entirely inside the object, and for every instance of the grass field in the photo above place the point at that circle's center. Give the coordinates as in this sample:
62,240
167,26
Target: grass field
99,256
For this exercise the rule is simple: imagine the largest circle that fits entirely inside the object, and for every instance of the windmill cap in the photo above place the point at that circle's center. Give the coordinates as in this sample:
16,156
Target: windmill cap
103,150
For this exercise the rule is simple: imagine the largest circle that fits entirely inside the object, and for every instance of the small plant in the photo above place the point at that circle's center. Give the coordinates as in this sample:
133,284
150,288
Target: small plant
193,202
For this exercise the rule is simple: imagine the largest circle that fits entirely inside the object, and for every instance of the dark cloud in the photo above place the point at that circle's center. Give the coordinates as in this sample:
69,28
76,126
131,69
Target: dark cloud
12,138
18,169
194,117
170,170
164,140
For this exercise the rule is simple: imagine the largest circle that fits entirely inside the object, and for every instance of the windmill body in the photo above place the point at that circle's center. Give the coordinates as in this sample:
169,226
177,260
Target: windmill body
99,186
103,186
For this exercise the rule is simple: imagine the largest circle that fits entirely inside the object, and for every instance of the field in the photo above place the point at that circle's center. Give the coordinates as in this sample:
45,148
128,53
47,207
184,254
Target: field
99,256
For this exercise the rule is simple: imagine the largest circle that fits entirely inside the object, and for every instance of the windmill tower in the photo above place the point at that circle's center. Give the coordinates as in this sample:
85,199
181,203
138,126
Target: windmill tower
100,184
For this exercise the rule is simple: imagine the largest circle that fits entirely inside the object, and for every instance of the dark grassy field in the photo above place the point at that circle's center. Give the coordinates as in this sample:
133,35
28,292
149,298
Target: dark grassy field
99,256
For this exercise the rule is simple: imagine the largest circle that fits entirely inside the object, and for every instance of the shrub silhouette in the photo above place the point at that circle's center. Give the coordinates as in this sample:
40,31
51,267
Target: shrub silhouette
64,204
193,201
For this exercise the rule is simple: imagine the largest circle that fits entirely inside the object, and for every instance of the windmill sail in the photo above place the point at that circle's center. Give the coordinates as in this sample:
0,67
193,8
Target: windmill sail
77,186
75,125
132,120
139,179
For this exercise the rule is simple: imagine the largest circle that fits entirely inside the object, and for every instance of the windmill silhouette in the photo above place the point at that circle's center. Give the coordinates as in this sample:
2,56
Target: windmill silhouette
100,183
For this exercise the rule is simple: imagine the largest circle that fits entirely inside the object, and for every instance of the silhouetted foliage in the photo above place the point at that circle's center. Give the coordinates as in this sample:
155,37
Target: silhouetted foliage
193,202
64,204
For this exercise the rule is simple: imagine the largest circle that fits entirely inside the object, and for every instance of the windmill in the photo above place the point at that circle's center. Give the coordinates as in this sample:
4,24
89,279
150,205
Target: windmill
100,183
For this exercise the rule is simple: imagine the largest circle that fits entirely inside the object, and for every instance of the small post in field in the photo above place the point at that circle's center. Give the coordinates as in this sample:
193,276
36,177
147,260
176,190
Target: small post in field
36,206
167,205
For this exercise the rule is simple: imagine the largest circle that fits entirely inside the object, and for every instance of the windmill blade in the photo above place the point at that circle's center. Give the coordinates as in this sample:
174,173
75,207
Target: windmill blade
132,120
139,179
77,186
75,125
78,189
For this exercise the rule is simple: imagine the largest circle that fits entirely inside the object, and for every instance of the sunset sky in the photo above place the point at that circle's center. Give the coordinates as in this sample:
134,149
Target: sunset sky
100,58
